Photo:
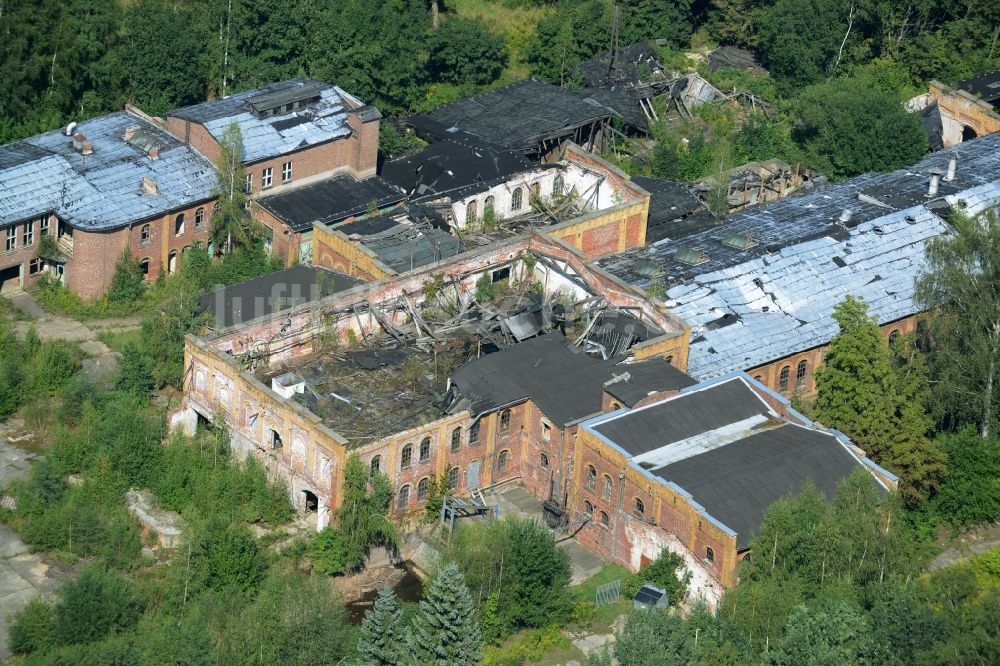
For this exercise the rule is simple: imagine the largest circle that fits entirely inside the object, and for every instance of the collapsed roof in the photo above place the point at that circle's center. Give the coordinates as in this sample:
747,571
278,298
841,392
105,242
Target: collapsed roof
330,200
985,86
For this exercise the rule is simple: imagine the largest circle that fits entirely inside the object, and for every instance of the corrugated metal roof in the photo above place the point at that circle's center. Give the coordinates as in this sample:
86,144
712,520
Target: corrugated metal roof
750,307
278,134
102,190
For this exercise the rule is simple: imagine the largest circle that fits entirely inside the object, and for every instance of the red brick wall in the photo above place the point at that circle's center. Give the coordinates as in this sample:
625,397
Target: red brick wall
22,255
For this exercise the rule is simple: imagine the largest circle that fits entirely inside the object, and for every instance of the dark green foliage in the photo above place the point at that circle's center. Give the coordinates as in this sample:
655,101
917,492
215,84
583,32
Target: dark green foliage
445,630
653,637
827,633
970,492
92,605
393,143
363,519
164,330
878,398
666,572
463,51
575,32
901,623
128,284
961,286
328,552
31,627
848,128
690,160
220,557
798,40
135,371
381,640
758,138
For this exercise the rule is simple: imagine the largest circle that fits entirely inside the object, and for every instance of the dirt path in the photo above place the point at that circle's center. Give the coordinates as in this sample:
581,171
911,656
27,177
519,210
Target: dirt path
975,541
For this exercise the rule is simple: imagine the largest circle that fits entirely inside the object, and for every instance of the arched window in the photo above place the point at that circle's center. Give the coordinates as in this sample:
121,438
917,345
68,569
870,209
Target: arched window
557,185
783,379
456,439
404,497
588,508
709,555
615,406
179,224
185,250
669,360
800,374
491,205
604,519
406,457
453,478
199,219
543,460
609,487
591,477
536,190
640,509
172,262
471,213
893,337
474,432
144,266
505,421
425,449
502,462
757,378
145,235
422,489
216,208
376,465
516,199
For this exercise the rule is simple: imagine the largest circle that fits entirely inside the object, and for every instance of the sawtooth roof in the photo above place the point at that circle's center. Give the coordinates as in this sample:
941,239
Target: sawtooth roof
721,443
747,307
315,121
329,200
102,190
518,115
563,381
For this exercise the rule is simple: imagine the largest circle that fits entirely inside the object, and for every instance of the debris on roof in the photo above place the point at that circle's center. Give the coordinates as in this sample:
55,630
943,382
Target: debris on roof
755,183
404,246
329,200
732,57
985,86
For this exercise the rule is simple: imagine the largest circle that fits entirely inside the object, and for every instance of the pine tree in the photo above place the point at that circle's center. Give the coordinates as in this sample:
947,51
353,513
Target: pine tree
879,399
381,639
445,631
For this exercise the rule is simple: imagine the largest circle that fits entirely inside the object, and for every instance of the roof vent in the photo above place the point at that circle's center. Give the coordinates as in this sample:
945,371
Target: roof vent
647,268
70,128
952,168
910,219
690,255
149,186
87,148
740,240
846,215
932,189
279,102
878,230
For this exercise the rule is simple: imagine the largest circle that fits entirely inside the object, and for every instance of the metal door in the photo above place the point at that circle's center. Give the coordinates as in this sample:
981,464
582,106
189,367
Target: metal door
472,475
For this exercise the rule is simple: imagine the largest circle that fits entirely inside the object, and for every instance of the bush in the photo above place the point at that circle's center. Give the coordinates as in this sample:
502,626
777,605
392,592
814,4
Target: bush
328,552
666,572
128,284
92,605
970,491
32,627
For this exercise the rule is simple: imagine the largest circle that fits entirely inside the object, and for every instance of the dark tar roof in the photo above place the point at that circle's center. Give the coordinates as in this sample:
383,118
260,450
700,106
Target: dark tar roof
517,116
731,57
671,207
737,472
403,246
564,382
329,201
985,86
272,293
458,167
652,375
598,73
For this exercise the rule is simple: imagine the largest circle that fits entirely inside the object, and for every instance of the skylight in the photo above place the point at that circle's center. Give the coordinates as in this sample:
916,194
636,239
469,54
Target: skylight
740,240
690,255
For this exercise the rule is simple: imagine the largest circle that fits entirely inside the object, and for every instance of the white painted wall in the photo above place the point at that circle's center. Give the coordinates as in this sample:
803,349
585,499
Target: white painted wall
650,541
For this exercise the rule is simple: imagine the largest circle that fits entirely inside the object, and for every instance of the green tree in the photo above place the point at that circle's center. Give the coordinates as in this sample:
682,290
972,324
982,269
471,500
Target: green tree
654,637
848,128
666,572
381,642
970,493
231,225
219,557
445,630
830,633
961,287
328,552
92,605
799,41
877,400
363,519
135,371
464,51
128,283
31,627
575,31
163,333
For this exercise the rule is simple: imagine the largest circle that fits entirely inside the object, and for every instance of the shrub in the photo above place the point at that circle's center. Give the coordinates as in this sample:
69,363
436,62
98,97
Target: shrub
128,284
328,552
92,605
31,628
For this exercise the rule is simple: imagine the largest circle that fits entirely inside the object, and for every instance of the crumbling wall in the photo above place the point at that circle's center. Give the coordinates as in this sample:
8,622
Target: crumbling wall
960,109
332,249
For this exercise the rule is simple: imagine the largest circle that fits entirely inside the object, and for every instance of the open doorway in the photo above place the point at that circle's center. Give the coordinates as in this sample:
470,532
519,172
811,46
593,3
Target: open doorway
10,279
968,134
311,502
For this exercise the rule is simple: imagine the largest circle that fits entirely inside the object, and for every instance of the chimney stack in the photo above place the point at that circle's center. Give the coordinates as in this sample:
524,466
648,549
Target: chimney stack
935,182
846,215
154,153
952,167
87,148
149,185
78,140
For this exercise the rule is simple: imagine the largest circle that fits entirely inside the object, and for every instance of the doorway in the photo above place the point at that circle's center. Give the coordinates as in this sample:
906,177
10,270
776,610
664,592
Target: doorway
10,279
311,503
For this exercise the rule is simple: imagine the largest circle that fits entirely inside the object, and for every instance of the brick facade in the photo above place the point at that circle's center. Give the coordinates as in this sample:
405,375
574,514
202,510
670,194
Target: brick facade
23,255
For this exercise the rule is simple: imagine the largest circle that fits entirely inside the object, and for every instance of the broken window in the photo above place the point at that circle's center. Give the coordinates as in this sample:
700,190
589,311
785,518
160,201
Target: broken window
179,225
502,462
783,379
425,449
491,205
516,199
406,456
36,266
474,432
199,219
604,519
609,486
546,432
709,555
893,337
557,185
505,421
543,460
276,442
536,190
640,509
311,501
453,478
248,183
376,465
404,498
144,266
29,234
422,489
471,213
286,172
456,439
591,477
800,374
11,238
588,508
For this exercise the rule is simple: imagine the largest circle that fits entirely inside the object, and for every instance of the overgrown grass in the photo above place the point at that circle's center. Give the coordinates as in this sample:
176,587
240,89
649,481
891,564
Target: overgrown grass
585,614
117,339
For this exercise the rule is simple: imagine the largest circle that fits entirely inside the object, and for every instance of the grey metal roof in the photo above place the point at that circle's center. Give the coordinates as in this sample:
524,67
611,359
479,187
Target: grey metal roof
749,307
329,200
722,443
281,133
404,247
102,190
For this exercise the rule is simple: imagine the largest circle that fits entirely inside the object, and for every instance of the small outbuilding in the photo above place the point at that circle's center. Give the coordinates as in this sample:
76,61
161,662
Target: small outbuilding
650,596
